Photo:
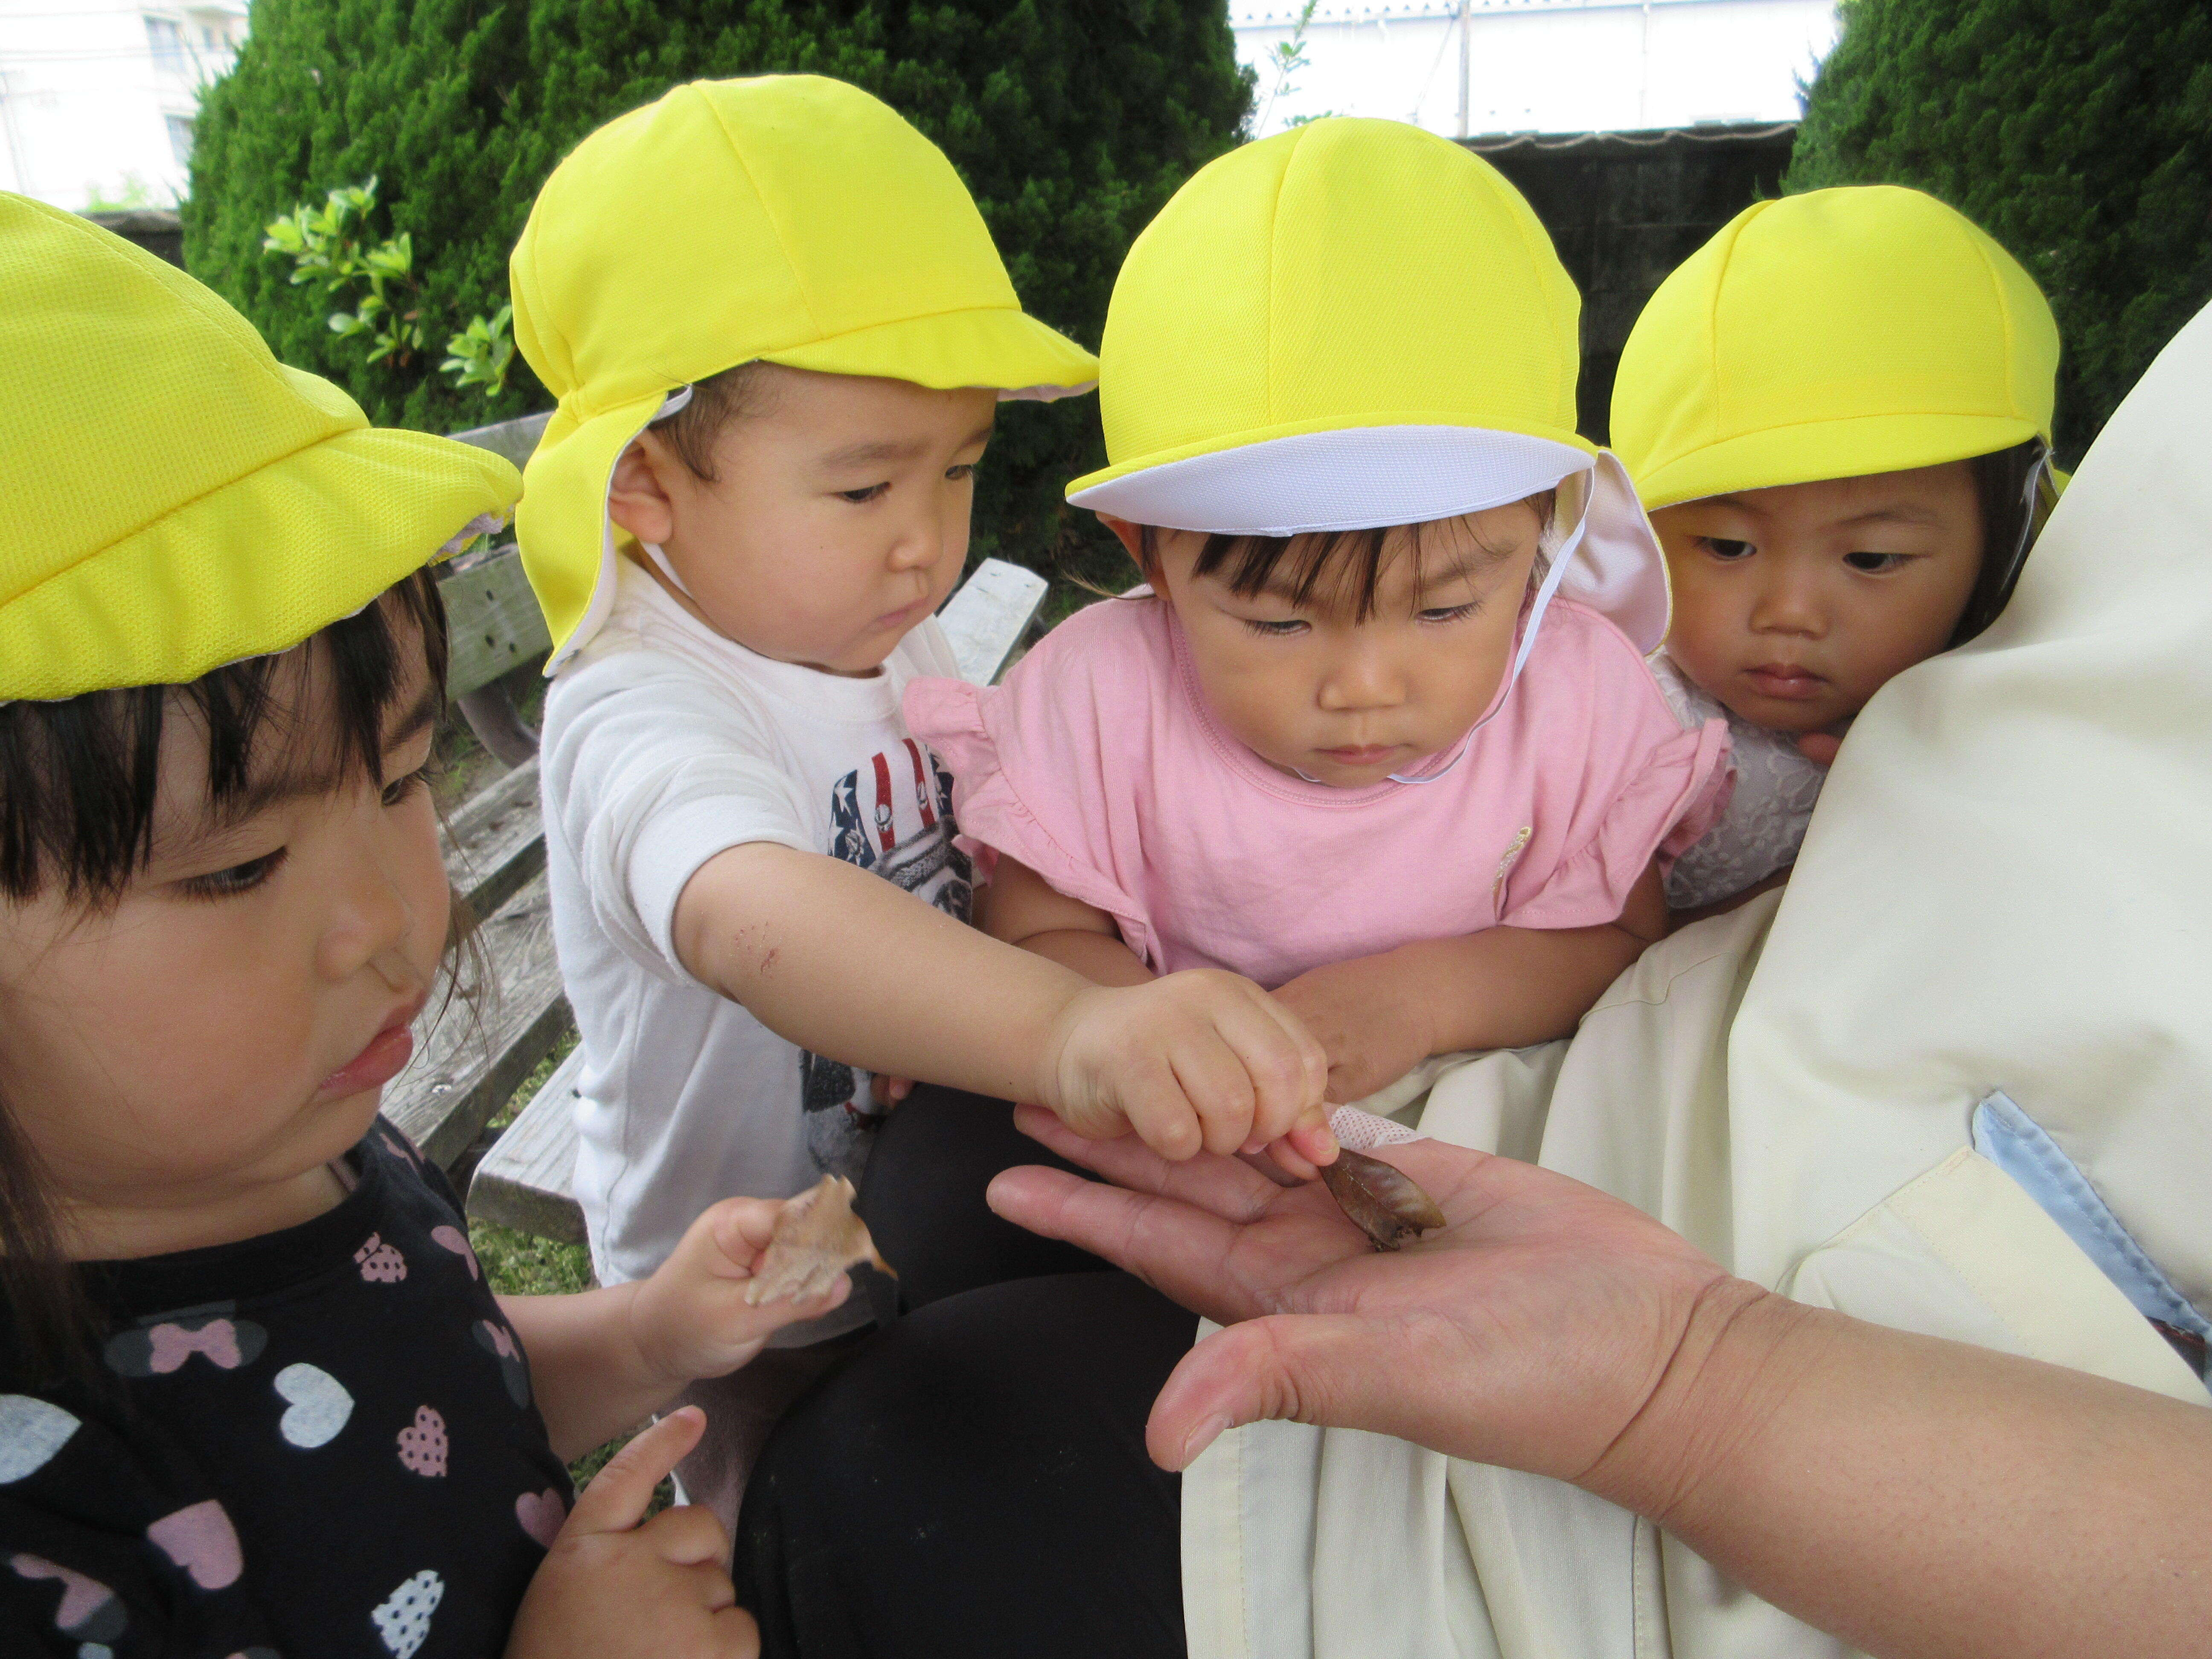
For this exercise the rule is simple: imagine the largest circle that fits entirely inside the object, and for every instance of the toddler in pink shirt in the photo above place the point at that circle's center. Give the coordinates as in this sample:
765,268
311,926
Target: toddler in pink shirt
1378,733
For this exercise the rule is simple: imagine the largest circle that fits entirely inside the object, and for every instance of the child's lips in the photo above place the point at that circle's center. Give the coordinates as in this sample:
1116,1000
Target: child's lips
384,1057
1785,680
1365,754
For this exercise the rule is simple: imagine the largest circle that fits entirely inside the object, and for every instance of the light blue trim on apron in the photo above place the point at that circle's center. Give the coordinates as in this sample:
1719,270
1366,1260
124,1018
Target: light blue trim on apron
2019,1146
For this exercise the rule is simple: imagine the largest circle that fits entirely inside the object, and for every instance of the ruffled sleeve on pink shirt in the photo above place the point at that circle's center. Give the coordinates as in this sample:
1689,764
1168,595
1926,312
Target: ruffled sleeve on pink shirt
1034,761
1663,808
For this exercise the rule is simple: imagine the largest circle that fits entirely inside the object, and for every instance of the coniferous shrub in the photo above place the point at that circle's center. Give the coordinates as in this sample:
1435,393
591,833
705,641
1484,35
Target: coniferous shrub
2078,133
1072,122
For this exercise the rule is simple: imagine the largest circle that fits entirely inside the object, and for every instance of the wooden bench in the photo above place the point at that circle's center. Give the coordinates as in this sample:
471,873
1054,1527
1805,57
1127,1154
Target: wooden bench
466,1068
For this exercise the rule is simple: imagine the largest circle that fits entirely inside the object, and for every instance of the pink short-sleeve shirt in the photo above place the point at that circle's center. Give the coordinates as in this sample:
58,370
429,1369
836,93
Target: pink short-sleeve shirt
1099,765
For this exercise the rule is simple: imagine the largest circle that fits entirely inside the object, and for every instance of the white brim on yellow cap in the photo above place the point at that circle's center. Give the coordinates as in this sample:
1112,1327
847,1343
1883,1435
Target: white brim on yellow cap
1365,477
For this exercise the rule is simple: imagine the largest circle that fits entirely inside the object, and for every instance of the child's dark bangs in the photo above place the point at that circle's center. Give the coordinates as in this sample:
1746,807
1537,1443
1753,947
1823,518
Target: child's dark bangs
717,401
1338,570
79,777
2004,480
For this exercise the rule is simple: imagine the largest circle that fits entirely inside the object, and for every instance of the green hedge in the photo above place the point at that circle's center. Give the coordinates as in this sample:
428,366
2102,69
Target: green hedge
1070,120
2076,132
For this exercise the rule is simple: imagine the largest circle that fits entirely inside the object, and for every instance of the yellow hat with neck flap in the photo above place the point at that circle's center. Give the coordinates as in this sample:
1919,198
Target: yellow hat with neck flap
786,218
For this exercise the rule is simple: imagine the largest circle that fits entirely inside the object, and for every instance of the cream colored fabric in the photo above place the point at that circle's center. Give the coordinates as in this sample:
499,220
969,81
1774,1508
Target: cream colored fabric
2001,889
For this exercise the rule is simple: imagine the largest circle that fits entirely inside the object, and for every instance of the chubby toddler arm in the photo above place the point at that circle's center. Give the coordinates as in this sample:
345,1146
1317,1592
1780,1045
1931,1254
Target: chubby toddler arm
1503,987
1022,908
847,964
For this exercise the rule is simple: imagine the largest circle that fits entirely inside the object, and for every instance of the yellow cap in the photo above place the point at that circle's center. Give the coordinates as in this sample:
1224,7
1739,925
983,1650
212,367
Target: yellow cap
172,497
1870,328
788,219
1351,324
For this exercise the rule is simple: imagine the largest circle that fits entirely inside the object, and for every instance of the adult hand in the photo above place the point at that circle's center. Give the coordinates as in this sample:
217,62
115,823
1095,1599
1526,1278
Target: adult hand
1530,1332
1371,1031
615,1583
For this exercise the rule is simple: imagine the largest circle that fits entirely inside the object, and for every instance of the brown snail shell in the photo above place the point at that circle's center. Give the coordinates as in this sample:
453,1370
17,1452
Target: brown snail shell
1383,1201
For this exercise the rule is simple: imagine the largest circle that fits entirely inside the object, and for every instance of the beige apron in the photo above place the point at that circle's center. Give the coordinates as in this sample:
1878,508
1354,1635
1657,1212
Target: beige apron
2007,887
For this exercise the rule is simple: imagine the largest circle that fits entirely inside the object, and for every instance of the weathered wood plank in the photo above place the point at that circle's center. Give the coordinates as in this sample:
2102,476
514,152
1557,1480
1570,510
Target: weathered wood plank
492,619
528,1179
465,1069
493,841
988,615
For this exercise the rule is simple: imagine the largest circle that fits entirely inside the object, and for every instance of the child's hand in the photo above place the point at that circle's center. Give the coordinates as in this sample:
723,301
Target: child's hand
616,1584
691,1319
1372,1032
1195,1060
1819,748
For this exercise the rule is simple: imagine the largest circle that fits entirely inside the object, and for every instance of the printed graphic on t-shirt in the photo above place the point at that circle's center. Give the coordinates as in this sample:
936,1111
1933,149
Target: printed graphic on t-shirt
892,815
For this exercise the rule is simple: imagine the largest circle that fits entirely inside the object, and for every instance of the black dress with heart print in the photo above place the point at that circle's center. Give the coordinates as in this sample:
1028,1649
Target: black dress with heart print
316,1444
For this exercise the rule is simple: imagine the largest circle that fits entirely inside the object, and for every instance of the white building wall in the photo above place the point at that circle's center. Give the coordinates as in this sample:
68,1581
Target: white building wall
97,97
1539,65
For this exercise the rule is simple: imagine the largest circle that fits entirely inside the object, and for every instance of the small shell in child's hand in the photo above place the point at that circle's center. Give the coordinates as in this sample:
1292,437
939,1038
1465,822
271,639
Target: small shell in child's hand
817,1238
1386,1203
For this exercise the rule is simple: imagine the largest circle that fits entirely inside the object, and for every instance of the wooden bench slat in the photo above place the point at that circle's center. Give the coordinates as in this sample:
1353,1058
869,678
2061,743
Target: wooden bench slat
492,619
527,1179
987,616
464,1069
493,841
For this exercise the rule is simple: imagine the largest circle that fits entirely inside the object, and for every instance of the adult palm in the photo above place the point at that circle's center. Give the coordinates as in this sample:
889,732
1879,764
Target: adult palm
1529,1332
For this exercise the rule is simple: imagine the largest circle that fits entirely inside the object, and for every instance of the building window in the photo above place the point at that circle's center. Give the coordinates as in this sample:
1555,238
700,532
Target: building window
180,138
168,42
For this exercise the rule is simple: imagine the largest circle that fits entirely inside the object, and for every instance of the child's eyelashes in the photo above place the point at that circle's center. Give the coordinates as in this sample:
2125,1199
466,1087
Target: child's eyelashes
863,497
1274,631
402,788
1874,564
237,879
1723,549
960,473
1452,613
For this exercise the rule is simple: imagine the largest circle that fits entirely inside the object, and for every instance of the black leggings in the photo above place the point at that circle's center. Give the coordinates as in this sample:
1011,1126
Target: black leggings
922,1195
973,1480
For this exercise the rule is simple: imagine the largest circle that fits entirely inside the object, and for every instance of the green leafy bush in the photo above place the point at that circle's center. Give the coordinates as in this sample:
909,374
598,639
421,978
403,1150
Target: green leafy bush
2076,132
1070,123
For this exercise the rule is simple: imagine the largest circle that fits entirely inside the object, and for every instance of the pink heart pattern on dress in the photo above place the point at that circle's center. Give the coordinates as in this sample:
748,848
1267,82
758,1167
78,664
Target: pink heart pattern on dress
379,1263
456,1241
89,1612
541,1514
422,1446
200,1539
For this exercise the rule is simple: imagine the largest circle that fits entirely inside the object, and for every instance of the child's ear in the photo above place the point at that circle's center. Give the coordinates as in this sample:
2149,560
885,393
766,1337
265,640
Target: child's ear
1132,535
637,495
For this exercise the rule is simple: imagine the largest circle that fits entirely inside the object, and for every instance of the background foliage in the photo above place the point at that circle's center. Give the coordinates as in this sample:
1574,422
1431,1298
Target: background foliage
2078,133
1072,122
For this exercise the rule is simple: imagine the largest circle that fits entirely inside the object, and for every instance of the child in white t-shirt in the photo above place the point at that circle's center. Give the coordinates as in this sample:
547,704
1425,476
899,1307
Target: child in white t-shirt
1839,413
779,333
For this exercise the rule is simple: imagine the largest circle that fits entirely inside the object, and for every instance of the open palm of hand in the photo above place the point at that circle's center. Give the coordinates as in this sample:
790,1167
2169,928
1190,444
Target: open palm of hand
1529,1333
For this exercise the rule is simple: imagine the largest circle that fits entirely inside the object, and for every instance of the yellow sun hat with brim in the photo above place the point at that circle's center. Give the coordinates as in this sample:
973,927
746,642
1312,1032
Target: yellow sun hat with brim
785,219
1356,324
1865,329
172,497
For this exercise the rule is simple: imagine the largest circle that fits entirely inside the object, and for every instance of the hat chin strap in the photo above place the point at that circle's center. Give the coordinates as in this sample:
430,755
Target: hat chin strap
1545,590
